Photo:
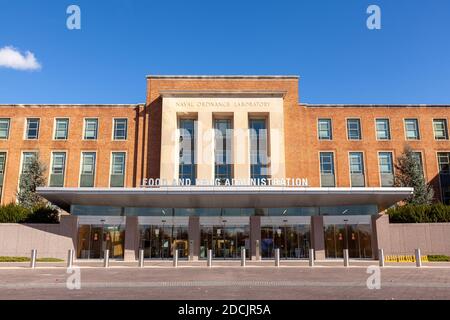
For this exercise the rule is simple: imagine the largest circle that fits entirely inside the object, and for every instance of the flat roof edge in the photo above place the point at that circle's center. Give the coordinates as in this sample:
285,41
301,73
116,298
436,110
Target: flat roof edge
256,77
56,105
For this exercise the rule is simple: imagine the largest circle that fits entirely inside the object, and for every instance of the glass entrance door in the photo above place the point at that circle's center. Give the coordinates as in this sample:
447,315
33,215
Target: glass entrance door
93,240
292,240
354,237
159,242
225,241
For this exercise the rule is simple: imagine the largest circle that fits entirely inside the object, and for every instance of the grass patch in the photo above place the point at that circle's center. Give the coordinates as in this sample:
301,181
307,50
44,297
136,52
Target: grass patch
26,259
438,258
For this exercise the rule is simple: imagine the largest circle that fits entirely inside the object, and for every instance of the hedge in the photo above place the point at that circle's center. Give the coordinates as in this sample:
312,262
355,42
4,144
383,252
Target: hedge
14,213
419,213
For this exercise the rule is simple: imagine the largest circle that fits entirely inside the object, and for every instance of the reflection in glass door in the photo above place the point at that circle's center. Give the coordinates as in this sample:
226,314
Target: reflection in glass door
93,240
354,237
159,242
225,241
292,240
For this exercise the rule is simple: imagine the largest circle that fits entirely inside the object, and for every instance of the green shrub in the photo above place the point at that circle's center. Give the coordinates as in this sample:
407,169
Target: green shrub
13,213
43,214
419,213
438,258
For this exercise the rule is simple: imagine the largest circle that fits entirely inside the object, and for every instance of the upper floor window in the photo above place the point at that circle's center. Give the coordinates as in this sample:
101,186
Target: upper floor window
327,178
2,166
187,169
324,128
120,129
440,129
61,128
383,129
259,153
90,129
4,128
32,129
444,162
385,163
27,159
354,129
117,178
412,129
417,156
87,176
57,169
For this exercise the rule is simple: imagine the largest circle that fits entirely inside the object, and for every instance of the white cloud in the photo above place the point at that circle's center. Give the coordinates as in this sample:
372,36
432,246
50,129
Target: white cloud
11,57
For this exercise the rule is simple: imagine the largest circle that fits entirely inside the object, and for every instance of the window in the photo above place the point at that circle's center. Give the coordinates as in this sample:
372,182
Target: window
57,170
117,169
120,129
61,129
324,127
87,169
27,158
386,169
356,163
259,156
440,129
444,175
2,164
412,129
222,150
32,129
90,129
354,129
383,129
444,162
187,168
4,128
327,169
418,157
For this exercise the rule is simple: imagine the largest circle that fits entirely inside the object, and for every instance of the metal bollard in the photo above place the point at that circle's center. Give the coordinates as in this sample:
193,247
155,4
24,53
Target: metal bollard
418,258
311,257
346,260
106,259
381,257
191,250
277,257
209,262
258,252
33,258
175,258
242,257
70,258
141,258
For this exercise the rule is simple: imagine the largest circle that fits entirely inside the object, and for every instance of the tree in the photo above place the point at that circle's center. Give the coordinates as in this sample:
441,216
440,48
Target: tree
31,178
409,173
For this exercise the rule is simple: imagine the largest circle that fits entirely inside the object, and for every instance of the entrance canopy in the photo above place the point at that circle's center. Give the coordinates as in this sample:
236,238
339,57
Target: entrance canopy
223,197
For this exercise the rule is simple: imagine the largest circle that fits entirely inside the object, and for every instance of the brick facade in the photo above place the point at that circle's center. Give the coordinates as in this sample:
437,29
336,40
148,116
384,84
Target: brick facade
143,145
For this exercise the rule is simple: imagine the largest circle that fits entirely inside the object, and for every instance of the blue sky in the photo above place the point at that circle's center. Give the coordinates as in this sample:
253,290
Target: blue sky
325,42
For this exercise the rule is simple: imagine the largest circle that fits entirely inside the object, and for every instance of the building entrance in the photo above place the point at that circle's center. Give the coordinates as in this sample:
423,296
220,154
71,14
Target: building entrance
226,239
93,240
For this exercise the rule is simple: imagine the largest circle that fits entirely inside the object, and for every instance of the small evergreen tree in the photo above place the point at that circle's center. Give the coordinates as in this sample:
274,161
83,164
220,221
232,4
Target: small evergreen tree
409,174
30,179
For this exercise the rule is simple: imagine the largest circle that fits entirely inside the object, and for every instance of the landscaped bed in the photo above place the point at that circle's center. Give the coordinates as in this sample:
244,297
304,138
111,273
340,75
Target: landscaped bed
27,259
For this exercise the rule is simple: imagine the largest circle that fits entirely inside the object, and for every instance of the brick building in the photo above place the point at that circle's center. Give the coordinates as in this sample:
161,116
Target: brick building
223,163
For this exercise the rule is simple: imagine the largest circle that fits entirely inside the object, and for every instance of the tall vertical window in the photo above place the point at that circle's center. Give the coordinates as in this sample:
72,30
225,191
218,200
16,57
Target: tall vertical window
383,129
444,175
61,128
187,169
4,128
356,162
386,169
222,150
120,129
418,157
2,171
87,169
117,178
32,129
27,159
259,156
324,128
327,176
412,129
440,129
90,129
58,169
354,129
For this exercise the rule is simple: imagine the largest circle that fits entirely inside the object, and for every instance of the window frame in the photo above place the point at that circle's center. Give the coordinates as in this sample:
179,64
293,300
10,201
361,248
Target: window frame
405,126
8,128
388,121
55,130
445,129
85,125
27,128
330,129
115,120
358,120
